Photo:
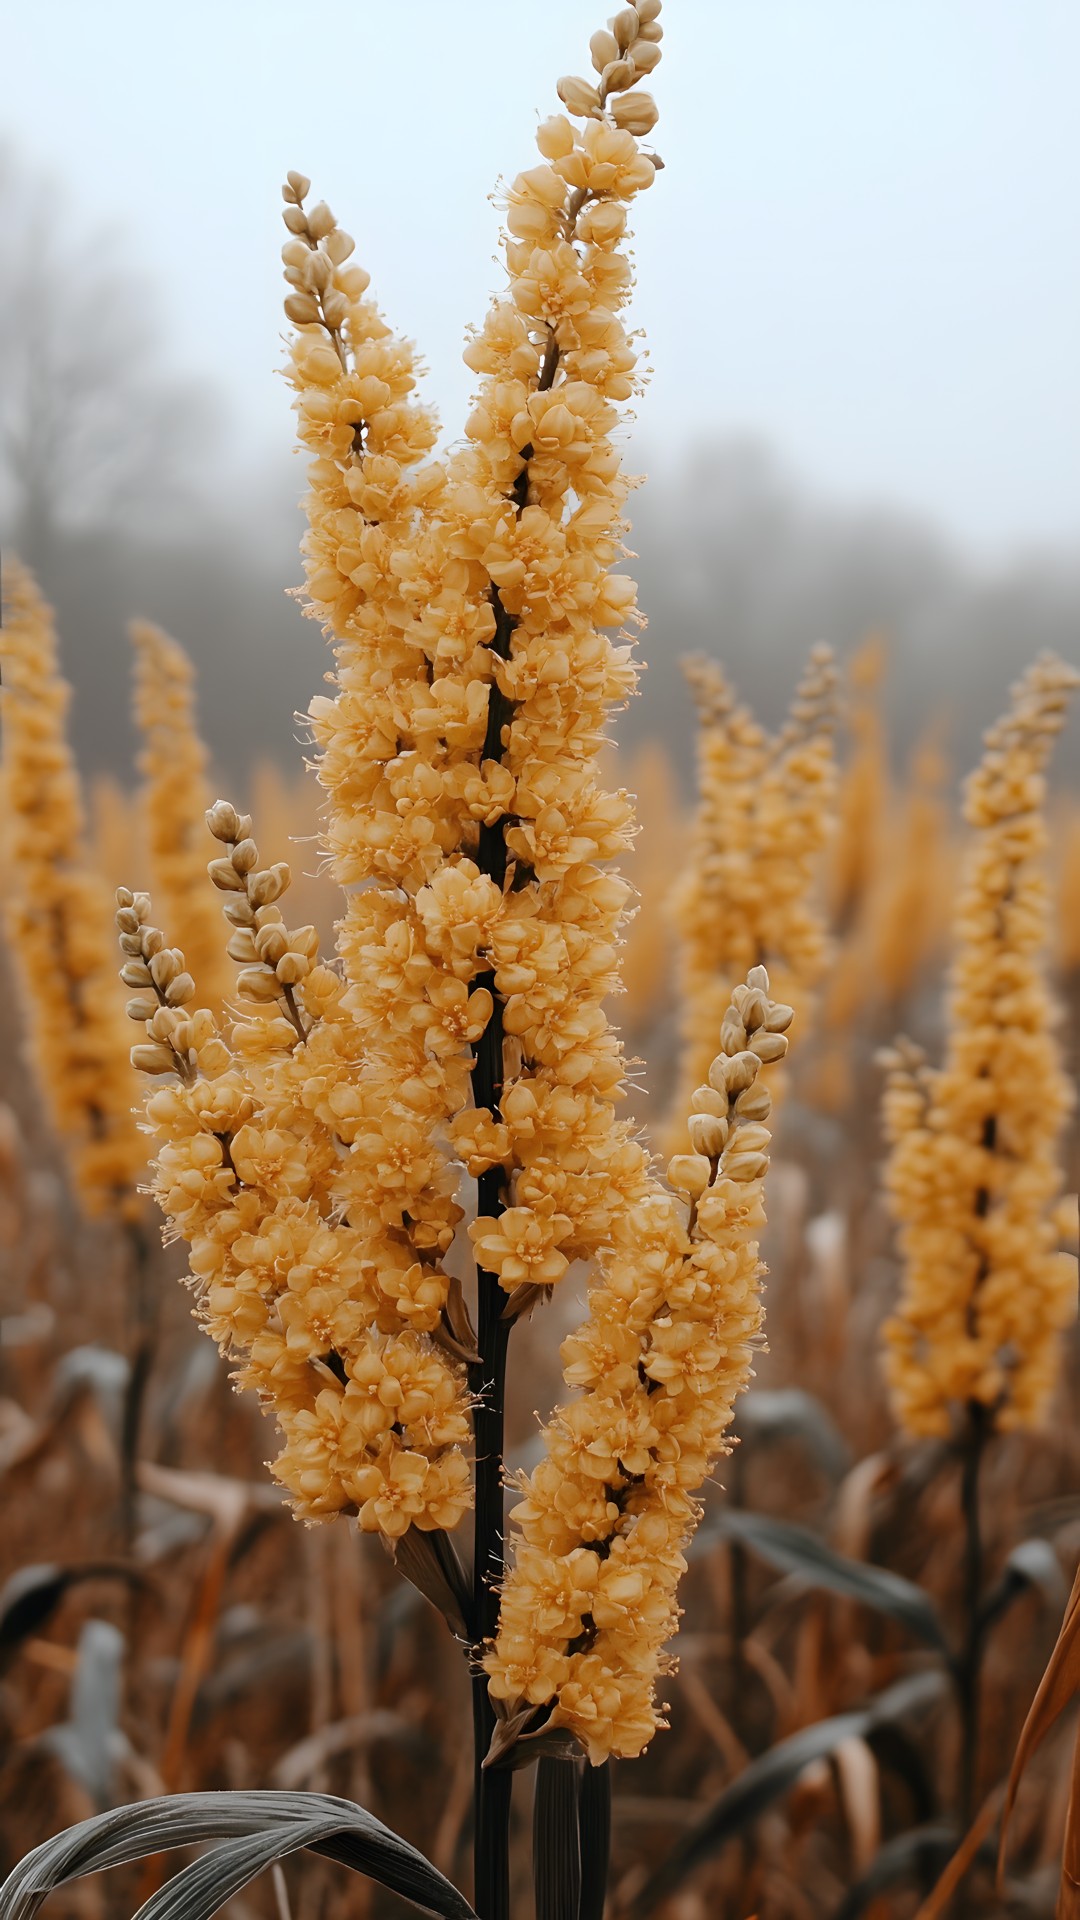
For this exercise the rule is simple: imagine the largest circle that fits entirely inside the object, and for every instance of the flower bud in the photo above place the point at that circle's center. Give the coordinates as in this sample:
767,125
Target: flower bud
270,943
769,1046
335,308
604,48
239,911
626,26
127,920
244,856
617,76
142,1006
689,1173
124,897
152,941
578,97
555,137
758,977
241,947
321,221
135,974
779,1018
292,968
732,1033
648,10
708,1134
223,820
295,219
645,56
180,991
301,309
269,884
754,1103
708,1100
224,875
300,186
754,1009
132,943
652,31
734,1071
339,245
746,1166
165,967
635,113
151,1058
255,983
317,272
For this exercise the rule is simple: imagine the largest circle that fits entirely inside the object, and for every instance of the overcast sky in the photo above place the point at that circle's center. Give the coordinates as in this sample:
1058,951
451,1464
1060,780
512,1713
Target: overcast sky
864,244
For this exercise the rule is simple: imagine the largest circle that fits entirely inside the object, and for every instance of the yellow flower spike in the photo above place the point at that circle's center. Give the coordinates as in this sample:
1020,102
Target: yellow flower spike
173,764
748,892
58,919
973,1174
673,1322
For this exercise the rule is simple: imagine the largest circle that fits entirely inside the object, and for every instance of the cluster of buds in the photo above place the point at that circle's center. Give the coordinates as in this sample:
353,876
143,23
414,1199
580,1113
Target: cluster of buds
178,1040
622,52
273,959
754,1033
314,260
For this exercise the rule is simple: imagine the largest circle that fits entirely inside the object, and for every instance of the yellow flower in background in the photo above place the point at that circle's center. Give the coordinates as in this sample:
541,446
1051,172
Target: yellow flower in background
674,1319
58,918
973,1173
748,895
174,799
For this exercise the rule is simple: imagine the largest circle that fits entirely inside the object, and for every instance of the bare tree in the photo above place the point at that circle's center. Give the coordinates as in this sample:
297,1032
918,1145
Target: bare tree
93,433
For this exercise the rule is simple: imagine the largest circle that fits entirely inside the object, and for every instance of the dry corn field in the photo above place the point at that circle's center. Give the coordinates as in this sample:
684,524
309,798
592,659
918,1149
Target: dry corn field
638,1473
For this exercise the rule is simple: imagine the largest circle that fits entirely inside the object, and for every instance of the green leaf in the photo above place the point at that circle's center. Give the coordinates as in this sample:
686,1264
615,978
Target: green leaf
1031,1564
795,1549
918,1855
258,1828
769,1776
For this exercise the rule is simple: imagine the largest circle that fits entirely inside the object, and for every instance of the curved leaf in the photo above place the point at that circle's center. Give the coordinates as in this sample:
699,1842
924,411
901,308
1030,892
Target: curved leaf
772,1773
33,1593
794,1549
917,1855
262,1827
777,1412
1031,1564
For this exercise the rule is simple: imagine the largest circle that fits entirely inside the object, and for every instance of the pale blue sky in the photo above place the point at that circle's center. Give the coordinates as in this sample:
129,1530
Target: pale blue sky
864,245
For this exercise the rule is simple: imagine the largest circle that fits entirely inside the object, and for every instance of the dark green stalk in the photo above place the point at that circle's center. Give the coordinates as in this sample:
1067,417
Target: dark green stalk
142,1308
970,1658
487,1382
594,1831
556,1845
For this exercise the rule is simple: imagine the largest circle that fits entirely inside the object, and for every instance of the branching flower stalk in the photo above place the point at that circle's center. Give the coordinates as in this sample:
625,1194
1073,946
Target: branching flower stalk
747,895
313,1160
973,1172
173,764
668,1344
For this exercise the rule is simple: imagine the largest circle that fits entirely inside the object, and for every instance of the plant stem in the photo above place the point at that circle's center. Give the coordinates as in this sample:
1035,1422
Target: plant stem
487,1381
142,1311
968,1667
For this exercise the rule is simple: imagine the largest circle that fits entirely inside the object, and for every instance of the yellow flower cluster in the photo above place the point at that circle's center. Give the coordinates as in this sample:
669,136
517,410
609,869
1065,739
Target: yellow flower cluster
973,1176
251,1144
58,918
471,603
173,766
746,897
672,1326
481,642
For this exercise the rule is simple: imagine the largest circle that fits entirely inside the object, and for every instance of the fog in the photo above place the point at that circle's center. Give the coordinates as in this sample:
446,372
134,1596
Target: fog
857,280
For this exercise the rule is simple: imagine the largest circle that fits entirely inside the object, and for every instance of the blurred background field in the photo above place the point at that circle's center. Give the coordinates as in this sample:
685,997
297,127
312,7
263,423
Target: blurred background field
860,294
